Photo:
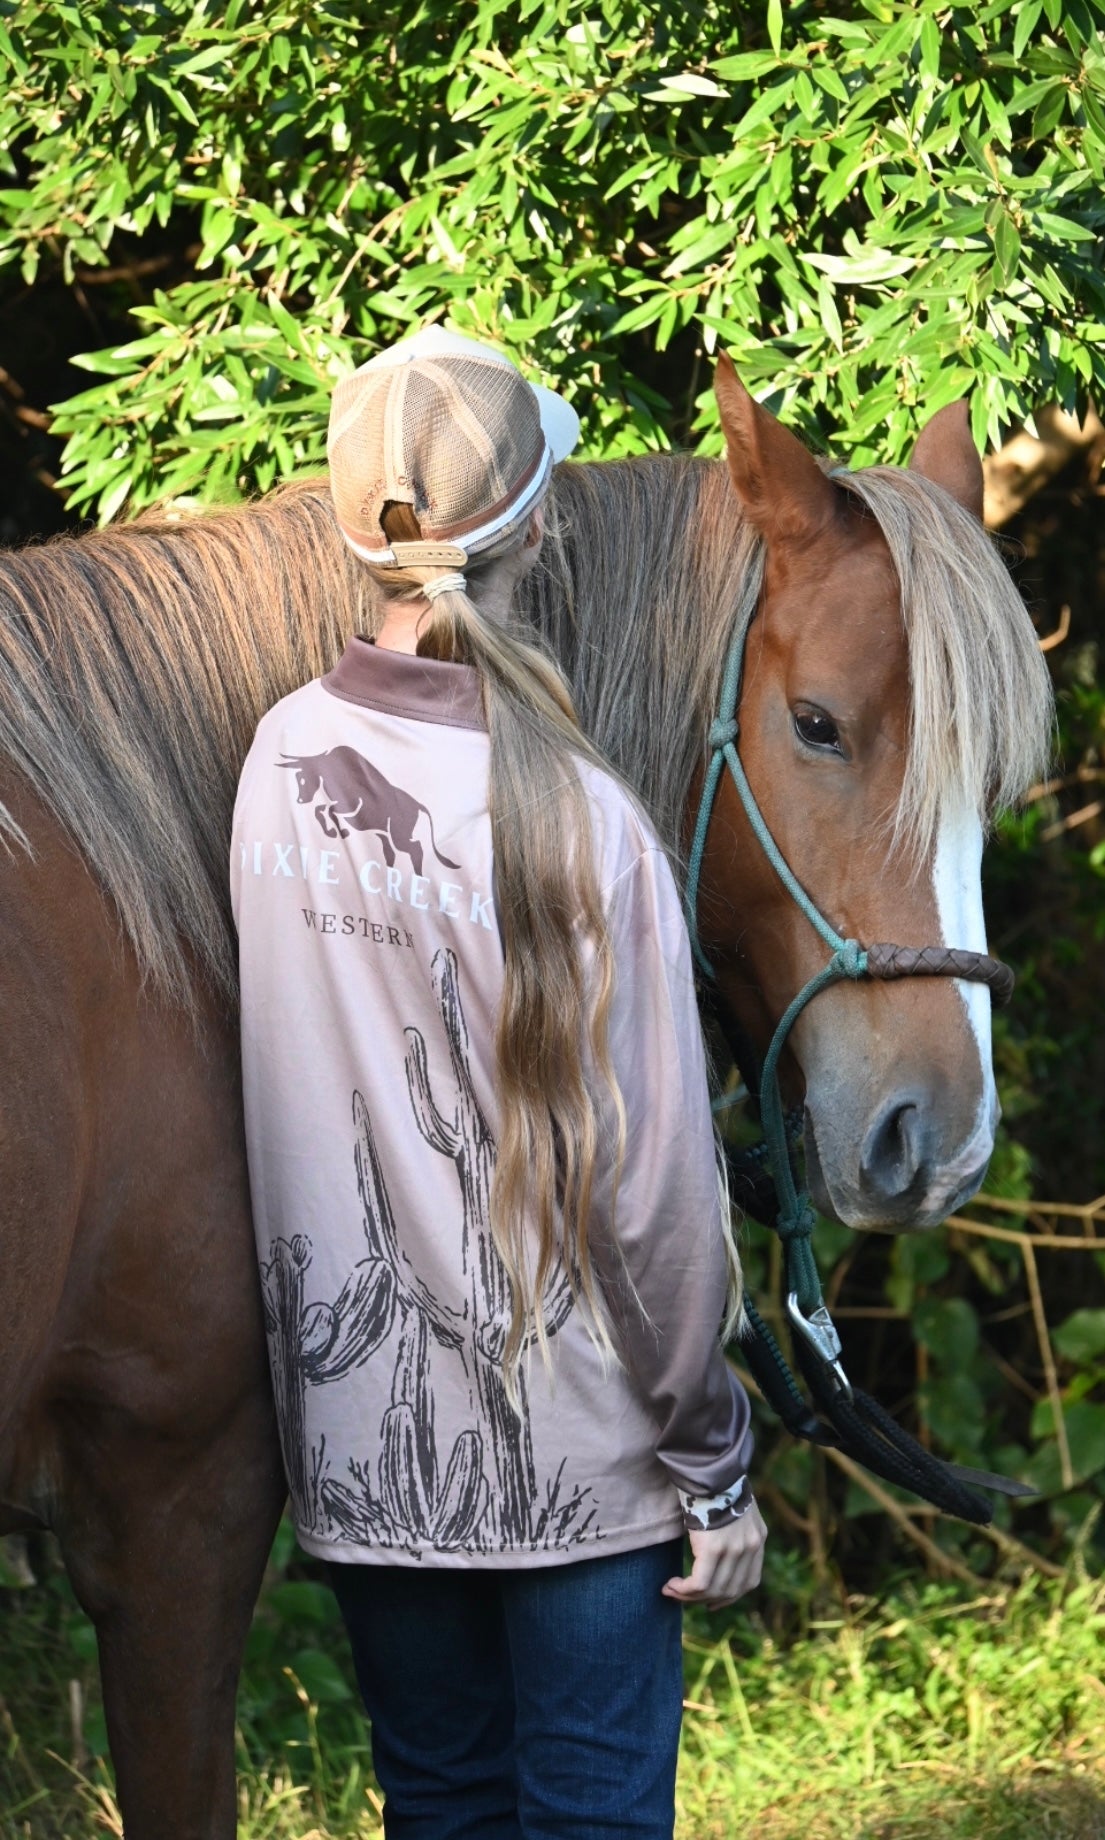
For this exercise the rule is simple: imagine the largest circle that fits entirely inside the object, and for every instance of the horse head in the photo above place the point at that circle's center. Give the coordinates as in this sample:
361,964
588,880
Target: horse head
308,775
893,694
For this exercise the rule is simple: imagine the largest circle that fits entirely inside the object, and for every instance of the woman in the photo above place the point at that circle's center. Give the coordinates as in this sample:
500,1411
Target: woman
481,1155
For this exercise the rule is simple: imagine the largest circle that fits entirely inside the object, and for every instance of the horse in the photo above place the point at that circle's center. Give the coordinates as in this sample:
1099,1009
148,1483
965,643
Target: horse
893,695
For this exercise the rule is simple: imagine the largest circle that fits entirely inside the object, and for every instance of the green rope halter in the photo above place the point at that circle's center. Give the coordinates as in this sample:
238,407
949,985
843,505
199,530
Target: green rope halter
795,1220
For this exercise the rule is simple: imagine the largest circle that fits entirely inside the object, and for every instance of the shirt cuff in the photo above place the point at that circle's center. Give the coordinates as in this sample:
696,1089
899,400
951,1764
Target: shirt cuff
702,1513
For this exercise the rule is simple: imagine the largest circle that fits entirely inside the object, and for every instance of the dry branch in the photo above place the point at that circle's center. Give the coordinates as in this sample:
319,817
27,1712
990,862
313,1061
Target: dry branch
942,1561
1027,463
1047,1356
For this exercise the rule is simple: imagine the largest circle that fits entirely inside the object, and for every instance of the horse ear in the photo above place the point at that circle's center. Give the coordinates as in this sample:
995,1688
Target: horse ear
946,454
779,483
288,760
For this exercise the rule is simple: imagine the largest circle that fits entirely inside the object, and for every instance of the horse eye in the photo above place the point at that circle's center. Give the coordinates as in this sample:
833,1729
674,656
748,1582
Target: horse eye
817,730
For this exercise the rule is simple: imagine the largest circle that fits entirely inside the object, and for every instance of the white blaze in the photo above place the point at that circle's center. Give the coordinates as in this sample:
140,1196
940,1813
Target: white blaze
957,885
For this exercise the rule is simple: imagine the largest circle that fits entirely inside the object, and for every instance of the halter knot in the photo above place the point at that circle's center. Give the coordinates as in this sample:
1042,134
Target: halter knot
723,732
850,959
797,1223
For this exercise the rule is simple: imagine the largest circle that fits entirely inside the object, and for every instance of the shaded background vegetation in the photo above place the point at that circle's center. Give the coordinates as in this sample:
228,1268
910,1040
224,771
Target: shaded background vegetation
208,212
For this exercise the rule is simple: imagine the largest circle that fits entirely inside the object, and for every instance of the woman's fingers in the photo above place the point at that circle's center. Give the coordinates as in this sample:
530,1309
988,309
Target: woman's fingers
727,1562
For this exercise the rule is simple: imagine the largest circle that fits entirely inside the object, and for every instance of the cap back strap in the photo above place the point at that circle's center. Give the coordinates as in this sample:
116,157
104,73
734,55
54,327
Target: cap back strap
409,555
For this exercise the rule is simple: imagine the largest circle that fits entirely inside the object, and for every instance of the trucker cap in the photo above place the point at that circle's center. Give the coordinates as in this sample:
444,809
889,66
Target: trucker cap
450,427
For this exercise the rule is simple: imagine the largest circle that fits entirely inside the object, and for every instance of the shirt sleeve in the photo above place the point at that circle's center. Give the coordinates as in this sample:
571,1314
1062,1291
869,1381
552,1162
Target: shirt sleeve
661,1258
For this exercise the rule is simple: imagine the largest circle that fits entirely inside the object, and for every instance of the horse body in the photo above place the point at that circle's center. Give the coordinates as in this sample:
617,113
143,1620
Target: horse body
135,1411
136,1419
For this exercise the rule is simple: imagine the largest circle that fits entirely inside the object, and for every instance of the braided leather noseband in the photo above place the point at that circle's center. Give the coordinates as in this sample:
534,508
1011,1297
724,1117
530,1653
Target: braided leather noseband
860,1424
888,962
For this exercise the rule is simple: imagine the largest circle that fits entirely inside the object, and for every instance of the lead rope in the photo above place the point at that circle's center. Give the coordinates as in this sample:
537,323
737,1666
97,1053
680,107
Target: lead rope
857,1423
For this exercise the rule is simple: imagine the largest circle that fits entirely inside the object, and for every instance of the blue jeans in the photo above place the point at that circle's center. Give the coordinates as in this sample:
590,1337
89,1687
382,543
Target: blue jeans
521,1705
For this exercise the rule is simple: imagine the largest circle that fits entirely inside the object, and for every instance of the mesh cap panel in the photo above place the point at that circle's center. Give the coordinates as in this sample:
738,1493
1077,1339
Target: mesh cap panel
458,438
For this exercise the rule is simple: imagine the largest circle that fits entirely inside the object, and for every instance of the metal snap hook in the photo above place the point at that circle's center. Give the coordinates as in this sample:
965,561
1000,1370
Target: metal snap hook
819,1330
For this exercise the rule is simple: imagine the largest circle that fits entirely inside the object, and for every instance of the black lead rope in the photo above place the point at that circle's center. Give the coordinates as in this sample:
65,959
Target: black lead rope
843,1417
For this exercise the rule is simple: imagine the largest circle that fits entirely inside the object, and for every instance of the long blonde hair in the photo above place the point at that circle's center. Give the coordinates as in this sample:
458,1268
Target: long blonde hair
559,963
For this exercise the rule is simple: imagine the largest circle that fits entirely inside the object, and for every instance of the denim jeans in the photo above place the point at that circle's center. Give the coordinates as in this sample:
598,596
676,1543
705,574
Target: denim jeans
521,1705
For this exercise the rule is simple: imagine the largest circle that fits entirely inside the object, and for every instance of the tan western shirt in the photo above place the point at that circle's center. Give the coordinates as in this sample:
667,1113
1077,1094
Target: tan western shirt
372,969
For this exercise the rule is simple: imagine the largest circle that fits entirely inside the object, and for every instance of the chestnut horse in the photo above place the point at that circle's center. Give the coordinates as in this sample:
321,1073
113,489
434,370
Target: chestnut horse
893,693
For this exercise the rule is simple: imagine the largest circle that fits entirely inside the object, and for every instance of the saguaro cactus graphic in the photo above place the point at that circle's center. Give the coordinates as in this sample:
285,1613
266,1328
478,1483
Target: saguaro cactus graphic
315,1343
383,1240
443,1511
413,1505
457,1128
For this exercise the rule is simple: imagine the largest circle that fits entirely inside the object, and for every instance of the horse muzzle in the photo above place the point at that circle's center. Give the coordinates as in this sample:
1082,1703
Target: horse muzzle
894,1171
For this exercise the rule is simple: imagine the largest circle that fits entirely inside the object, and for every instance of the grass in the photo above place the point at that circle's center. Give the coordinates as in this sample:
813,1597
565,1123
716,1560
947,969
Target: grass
928,1715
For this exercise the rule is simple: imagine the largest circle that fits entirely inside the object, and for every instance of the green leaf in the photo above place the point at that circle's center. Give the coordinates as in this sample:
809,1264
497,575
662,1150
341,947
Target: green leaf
1007,247
302,1601
1048,110
320,1677
1028,15
948,1328
114,498
767,103
1081,1337
745,64
830,318
689,84
862,270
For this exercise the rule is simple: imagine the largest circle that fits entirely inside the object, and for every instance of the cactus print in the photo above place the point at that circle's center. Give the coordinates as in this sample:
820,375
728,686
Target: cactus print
481,1492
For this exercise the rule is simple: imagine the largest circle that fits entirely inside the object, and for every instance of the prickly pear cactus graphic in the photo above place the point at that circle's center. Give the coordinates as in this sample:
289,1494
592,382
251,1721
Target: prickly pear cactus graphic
313,1344
453,1124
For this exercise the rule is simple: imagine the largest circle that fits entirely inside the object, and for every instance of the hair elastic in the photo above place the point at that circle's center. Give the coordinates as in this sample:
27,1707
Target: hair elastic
445,584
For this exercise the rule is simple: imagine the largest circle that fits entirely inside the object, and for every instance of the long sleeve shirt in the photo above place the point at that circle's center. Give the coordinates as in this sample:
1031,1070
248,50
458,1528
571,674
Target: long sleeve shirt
363,888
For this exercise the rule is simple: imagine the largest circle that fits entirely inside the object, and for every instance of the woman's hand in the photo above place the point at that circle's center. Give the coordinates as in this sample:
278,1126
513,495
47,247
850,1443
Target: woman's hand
727,1563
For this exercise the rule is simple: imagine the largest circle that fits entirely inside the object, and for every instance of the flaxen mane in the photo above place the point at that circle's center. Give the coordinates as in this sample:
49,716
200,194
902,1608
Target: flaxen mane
135,663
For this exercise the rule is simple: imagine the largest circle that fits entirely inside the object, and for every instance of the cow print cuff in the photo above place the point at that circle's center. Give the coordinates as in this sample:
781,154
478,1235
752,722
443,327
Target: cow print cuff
702,1513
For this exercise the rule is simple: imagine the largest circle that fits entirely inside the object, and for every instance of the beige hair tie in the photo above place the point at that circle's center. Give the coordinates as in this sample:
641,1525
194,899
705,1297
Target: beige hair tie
445,584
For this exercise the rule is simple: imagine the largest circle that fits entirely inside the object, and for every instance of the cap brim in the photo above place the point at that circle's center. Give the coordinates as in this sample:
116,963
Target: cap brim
558,420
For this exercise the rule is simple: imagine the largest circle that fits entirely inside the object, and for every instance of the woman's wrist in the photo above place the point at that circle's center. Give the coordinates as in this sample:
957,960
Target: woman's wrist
702,1513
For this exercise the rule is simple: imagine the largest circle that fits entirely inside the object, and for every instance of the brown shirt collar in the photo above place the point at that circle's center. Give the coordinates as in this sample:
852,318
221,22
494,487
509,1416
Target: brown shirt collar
399,684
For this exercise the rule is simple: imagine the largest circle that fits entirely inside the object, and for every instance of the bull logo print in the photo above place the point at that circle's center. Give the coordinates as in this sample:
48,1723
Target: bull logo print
354,795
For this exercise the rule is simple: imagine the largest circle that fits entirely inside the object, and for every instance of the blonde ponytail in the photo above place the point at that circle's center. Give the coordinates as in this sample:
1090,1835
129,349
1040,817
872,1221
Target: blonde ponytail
559,967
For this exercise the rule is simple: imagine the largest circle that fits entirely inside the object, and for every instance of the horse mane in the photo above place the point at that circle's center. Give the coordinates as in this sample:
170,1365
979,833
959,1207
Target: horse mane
646,570
981,710
135,663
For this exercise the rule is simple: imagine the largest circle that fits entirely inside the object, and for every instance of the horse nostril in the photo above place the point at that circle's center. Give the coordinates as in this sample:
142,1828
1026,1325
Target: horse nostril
892,1161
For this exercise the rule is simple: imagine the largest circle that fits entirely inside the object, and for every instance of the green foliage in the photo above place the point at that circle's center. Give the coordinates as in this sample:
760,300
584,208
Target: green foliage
876,210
